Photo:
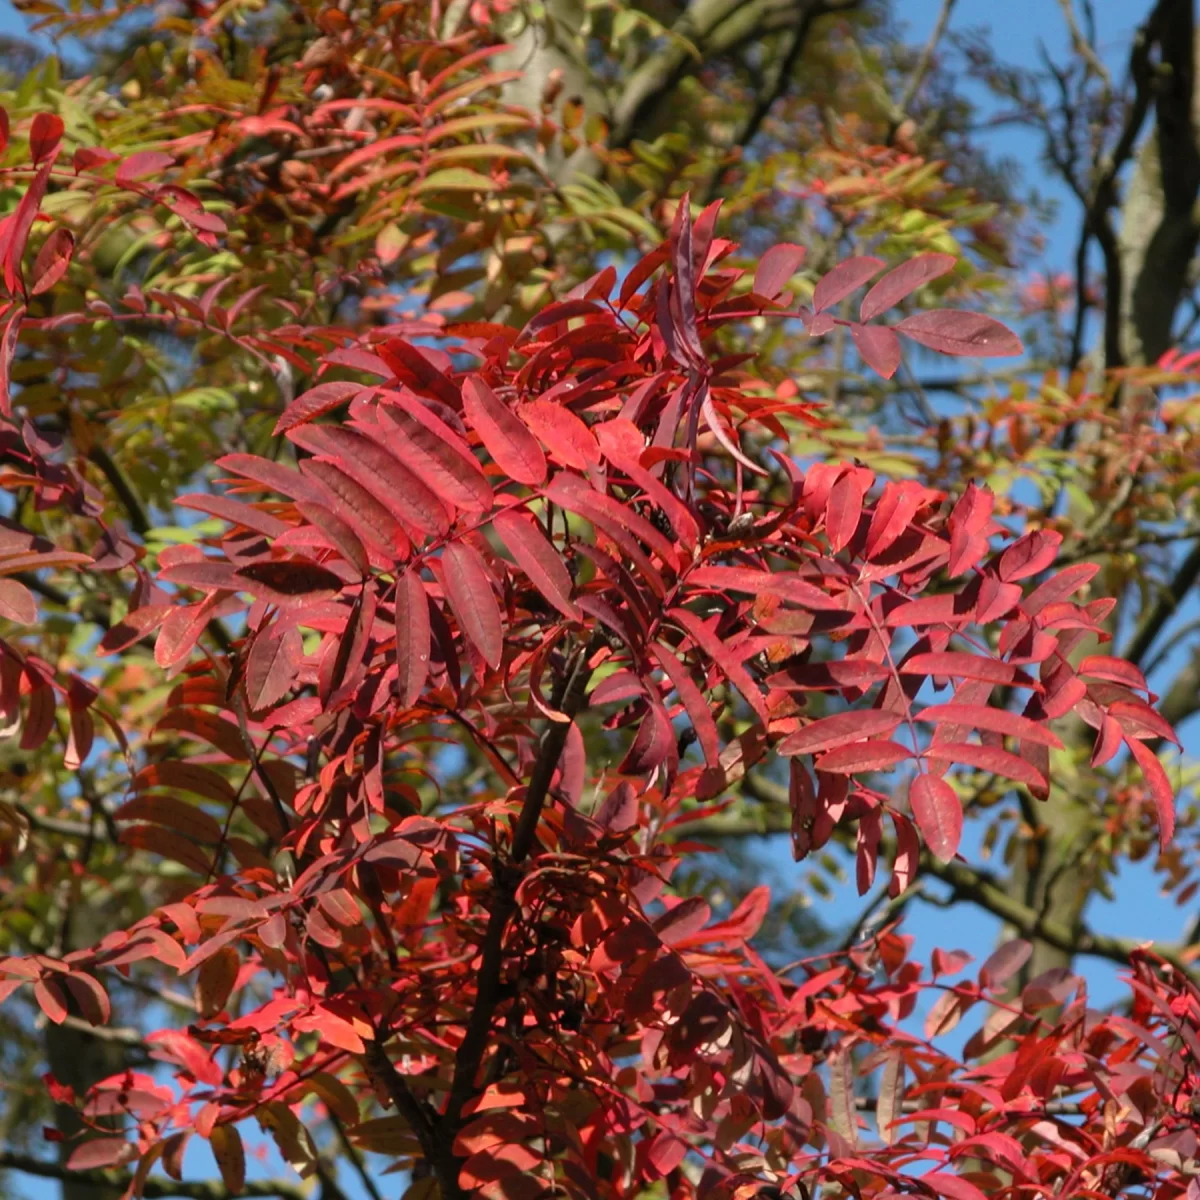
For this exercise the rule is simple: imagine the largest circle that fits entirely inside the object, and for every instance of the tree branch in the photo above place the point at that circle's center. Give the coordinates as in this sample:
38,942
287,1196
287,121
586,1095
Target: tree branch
990,893
714,28
925,61
1166,604
156,1186
470,1052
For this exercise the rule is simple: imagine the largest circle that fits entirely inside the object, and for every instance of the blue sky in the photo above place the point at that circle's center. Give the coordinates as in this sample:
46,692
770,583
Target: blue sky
1017,27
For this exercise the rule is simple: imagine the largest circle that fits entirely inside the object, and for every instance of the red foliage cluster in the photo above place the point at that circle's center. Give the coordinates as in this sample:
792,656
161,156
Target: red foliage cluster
482,539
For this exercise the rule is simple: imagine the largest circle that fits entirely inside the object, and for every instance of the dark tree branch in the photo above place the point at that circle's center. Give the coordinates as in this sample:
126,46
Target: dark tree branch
714,28
1166,604
154,1187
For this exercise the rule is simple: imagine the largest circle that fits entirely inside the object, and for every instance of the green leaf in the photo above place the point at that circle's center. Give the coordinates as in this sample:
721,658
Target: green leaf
456,179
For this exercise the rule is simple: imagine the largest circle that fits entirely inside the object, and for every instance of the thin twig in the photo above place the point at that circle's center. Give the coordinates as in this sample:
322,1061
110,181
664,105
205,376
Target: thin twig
925,61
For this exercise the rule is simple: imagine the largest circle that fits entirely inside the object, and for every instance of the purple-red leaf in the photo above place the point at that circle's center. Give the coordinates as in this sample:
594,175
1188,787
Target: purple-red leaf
996,720
845,278
697,707
877,755
44,135
271,666
1160,788
286,582
988,758
539,560
412,637
842,729
949,331
879,347
776,268
513,448
469,591
339,533
902,281
52,261
317,401
938,813
436,453
563,434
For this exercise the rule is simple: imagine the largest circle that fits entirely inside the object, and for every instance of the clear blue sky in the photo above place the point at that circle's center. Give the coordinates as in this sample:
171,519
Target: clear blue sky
1139,910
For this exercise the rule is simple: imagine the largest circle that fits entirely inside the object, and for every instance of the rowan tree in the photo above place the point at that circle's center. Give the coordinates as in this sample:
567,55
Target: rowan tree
501,583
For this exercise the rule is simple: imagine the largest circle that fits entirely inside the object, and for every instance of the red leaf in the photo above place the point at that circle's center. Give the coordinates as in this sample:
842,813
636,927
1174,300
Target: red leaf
271,666
839,730
51,998
1108,741
17,602
470,594
1114,670
175,846
879,347
564,310
369,463
937,811
16,228
1004,963
776,268
1029,555
958,664
712,419
52,261
284,582
563,434
952,1186
207,575
988,758
573,494
412,637
863,756
44,135
436,453
101,1152
961,333
143,165
944,609
707,641
997,720
1058,587
170,811
349,500
513,448
845,278
844,510
9,336
902,281
273,476
1160,788
317,401
339,533
697,707
227,1149
90,996
414,366
539,560
665,1153
87,157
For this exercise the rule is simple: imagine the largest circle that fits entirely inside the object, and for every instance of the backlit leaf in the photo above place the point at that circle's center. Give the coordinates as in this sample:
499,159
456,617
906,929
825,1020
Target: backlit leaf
469,591
937,811
505,437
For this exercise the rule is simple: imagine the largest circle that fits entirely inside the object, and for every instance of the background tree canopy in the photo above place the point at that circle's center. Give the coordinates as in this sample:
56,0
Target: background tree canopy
230,206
